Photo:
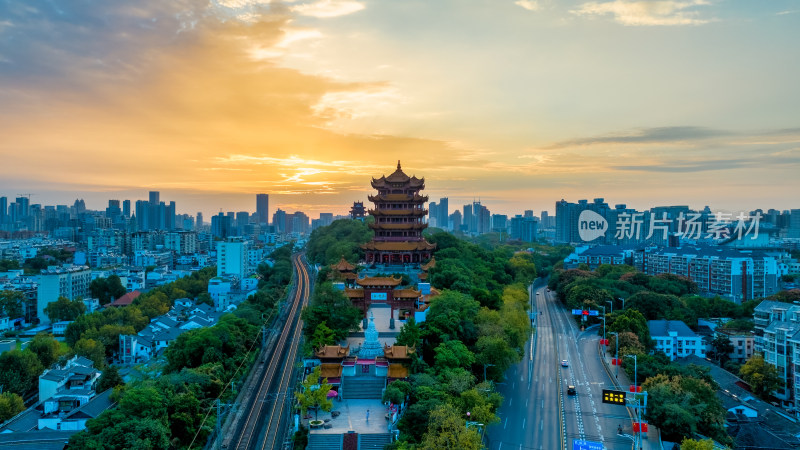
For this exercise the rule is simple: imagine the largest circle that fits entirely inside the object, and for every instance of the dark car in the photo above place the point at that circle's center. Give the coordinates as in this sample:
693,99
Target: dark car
571,390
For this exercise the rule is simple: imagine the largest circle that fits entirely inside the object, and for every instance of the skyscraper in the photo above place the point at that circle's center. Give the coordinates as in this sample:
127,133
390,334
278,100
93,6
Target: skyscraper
199,220
155,197
443,213
126,208
262,208
3,209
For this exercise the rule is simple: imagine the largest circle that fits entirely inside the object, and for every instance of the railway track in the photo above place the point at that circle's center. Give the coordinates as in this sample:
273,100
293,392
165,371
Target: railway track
264,421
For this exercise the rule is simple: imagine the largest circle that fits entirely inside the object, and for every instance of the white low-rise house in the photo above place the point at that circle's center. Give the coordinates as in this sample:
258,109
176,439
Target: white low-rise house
675,339
163,330
77,375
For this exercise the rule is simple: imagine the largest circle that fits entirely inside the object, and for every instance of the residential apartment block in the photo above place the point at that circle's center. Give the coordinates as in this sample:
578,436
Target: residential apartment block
739,275
61,281
777,337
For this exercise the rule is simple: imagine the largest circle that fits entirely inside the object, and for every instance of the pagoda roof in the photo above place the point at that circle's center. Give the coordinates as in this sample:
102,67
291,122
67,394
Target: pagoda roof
416,198
397,371
429,264
332,351
422,276
330,370
354,293
398,212
398,246
379,281
343,266
398,226
406,293
398,351
398,176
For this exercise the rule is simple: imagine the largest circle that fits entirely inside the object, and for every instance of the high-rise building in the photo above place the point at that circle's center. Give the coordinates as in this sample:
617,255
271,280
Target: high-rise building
455,221
3,209
794,224
242,219
142,215
325,219
262,208
499,223
433,217
466,219
199,220
232,258
126,208
221,225
279,221
154,197
443,214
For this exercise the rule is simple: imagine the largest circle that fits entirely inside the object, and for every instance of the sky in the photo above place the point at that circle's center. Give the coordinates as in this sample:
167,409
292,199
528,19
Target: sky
518,103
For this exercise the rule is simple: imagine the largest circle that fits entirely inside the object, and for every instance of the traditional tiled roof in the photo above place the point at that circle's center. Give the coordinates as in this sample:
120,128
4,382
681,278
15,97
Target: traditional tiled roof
406,293
398,246
429,264
398,226
379,281
416,198
94,407
343,266
126,299
416,212
398,176
354,293
330,370
422,276
398,351
397,371
332,351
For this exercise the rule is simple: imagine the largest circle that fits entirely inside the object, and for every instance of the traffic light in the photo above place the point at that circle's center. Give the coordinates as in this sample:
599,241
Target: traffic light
613,397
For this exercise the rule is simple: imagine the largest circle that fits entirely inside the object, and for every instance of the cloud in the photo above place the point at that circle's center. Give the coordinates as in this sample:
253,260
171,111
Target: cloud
328,8
530,5
646,12
648,136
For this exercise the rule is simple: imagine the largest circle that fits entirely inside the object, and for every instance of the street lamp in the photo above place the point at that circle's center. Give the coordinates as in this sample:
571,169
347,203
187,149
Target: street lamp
611,302
475,424
638,408
604,324
484,375
616,354
623,301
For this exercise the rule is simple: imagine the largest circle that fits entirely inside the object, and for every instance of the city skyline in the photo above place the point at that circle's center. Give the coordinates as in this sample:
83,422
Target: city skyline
519,103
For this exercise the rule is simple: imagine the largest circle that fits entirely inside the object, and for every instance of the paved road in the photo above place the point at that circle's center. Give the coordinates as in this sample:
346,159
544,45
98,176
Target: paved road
537,413
265,417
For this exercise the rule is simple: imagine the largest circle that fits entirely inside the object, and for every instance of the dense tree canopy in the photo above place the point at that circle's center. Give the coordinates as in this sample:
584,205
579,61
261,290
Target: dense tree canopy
11,303
108,289
64,309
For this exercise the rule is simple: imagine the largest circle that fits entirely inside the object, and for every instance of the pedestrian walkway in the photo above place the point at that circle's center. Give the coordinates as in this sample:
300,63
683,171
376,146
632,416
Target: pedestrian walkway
651,439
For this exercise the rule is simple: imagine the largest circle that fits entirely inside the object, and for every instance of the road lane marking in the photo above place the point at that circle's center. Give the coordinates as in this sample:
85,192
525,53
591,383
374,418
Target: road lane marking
523,423
505,424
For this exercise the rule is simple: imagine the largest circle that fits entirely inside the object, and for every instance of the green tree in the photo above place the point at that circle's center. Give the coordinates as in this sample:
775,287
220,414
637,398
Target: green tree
452,354
8,264
110,378
322,336
144,401
106,290
11,404
11,303
692,444
19,371
329,305
762,377
93,350
722,348
447,430
46,348
314,393
64,309
410,334
396,392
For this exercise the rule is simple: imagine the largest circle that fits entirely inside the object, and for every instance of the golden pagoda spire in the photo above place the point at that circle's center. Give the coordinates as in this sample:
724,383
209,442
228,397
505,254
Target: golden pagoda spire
398,164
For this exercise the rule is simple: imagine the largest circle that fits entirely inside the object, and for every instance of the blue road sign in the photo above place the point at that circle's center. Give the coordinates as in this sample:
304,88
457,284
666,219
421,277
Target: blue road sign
577,312
580,444
592,312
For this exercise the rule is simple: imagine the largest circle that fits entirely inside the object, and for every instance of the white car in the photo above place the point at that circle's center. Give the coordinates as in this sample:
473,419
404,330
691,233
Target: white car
564,363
